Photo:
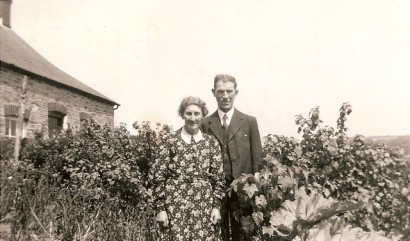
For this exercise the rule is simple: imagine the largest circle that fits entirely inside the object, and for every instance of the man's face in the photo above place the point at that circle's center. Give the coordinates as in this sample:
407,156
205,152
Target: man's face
225,94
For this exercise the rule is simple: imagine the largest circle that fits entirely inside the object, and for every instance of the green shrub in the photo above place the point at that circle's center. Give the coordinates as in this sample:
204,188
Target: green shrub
80,184
91,184
43,210
94,158
325,162
6,148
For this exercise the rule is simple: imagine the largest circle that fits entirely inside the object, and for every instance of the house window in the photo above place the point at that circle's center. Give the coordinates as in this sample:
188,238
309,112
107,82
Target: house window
11,112
55,122
11,127
57,117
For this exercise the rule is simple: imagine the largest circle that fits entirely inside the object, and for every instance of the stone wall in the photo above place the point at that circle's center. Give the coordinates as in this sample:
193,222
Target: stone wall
40,94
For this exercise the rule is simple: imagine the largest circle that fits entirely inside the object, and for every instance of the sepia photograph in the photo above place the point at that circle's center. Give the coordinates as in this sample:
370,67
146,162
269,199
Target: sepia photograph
205,120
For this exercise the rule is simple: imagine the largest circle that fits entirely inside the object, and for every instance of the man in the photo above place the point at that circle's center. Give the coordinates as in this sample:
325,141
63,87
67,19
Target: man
240,141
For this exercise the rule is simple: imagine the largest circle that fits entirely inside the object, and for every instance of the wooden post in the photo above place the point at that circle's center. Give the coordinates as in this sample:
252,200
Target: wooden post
20,120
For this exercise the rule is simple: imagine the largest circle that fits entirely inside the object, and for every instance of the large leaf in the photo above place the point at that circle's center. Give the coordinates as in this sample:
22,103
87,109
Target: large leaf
335,229
261,200
307,210
250,189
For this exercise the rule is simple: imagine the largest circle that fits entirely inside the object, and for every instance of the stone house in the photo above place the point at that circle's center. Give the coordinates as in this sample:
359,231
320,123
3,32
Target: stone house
54,99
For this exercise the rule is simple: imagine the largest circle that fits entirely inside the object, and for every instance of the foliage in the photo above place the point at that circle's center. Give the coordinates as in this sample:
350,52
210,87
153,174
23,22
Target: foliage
392,142
6,148
148,140
327,164
304,211
94,158
91,184
335,229
82,185
41,209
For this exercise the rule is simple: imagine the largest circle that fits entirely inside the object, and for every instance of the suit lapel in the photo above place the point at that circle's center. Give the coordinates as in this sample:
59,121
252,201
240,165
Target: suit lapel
235,124
215,126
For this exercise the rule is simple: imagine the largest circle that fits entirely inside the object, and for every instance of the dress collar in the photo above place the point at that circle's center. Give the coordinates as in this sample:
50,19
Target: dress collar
187,137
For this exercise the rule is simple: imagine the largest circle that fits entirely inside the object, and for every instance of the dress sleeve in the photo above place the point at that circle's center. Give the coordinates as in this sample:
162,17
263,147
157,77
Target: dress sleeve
158,176
216,174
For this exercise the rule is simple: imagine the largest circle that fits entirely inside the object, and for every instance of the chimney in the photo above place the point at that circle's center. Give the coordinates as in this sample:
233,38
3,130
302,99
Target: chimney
5,8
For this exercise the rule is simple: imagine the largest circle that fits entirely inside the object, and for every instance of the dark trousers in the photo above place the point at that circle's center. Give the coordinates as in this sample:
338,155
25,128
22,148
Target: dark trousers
231,229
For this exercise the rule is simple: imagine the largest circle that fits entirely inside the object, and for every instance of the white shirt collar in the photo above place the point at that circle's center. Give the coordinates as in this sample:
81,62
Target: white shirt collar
229,114
187,137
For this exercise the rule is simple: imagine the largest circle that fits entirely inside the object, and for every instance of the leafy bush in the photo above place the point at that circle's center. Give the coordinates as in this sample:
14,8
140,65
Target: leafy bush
6,148
82,185
94,158
324,163
91,184
147,141
41,209
392,142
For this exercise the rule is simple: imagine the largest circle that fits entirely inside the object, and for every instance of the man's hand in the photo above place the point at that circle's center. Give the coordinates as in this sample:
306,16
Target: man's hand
162,218
215,216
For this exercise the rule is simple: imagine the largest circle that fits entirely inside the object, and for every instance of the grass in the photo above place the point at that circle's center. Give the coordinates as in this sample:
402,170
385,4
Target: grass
36,207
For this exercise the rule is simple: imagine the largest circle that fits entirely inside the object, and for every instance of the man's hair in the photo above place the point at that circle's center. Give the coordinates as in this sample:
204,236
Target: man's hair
192,101
225,78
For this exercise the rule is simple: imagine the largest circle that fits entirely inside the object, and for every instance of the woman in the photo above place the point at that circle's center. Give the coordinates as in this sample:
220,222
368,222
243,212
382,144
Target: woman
188,181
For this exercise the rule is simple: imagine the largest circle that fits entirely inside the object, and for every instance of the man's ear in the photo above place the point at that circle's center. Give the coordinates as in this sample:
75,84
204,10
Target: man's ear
236,92
213,92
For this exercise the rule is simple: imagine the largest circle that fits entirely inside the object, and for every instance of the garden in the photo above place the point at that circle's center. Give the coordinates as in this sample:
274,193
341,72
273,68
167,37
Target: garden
92,184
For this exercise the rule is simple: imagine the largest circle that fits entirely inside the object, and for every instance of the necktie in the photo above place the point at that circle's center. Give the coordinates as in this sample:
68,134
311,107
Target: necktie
225,124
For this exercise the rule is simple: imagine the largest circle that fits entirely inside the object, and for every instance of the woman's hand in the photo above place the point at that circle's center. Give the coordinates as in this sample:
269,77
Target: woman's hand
215,216
162,218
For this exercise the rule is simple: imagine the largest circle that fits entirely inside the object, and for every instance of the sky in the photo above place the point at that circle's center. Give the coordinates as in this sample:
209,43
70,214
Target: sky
287,56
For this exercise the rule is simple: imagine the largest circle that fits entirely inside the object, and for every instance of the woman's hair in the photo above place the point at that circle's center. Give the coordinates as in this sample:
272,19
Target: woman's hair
192,101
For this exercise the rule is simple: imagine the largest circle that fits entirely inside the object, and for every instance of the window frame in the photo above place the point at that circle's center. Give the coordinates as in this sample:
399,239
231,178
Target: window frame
9,128
61,119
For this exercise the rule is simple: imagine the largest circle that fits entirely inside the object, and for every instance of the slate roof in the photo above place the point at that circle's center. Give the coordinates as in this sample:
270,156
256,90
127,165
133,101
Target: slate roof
15,52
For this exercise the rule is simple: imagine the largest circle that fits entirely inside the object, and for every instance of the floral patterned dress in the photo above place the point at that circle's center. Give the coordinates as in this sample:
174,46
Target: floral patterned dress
188,183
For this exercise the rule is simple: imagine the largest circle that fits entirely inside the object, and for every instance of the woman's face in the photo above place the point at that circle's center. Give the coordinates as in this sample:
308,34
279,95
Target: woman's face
193,117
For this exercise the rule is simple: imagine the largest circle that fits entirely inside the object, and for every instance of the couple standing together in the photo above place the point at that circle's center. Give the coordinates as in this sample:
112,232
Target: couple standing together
196,164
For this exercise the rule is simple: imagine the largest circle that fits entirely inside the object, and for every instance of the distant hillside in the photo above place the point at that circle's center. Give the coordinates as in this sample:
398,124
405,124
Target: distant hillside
392,141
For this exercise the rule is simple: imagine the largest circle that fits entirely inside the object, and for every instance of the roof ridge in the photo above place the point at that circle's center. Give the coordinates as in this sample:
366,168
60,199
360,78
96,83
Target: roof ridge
17,52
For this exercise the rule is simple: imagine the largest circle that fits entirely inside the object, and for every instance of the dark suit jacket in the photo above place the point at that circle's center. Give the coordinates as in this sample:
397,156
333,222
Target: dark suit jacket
245,146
